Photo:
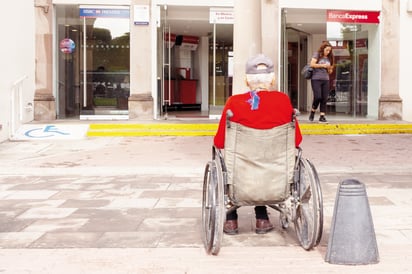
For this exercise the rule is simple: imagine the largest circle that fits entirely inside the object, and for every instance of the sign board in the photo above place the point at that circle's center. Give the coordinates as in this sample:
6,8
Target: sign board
221,16
141,15
67,45
104,12
353,16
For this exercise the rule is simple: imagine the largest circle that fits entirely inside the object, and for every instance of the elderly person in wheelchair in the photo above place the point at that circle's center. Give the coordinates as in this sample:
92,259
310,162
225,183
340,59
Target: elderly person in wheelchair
258,108
257,161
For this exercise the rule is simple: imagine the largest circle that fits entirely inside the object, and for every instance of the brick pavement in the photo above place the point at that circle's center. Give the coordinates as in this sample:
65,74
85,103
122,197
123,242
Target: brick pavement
133,205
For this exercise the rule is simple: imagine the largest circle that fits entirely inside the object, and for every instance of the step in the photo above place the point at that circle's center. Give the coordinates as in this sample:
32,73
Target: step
179,129
169,129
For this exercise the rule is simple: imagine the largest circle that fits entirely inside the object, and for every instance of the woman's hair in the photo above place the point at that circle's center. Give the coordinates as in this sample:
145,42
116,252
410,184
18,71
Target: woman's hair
321,49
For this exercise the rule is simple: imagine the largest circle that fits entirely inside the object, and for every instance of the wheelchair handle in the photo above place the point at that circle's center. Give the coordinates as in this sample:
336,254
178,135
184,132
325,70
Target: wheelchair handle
229,114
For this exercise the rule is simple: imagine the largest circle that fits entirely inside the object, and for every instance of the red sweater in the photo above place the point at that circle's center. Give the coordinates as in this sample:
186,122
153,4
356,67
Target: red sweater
274,110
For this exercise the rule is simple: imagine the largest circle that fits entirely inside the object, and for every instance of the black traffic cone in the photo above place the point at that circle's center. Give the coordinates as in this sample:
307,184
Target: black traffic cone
352,239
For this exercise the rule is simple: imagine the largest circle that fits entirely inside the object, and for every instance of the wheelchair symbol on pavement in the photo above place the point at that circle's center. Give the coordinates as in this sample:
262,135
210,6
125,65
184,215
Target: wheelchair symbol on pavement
45,132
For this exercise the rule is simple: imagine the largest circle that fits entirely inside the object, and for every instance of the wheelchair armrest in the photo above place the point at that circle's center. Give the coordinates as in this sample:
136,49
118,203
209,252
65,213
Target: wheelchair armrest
295,114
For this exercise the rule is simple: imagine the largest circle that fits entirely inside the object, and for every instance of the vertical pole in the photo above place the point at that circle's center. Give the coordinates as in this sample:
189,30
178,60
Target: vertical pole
214,64
84,64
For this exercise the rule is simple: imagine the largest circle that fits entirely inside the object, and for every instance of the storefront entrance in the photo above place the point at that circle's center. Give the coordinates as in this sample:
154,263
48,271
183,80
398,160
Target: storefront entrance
354,82
93,61
194,62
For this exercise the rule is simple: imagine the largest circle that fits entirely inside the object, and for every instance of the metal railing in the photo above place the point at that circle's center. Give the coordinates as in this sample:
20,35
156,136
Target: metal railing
16,102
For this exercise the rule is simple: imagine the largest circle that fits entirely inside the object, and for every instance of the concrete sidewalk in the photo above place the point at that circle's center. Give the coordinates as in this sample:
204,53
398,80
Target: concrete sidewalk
133,205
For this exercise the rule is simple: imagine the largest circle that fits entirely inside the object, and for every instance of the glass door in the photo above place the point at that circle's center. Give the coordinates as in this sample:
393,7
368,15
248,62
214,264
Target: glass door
349,82
194,61
105,58
294,49
220,60
93,61
220,69
68,84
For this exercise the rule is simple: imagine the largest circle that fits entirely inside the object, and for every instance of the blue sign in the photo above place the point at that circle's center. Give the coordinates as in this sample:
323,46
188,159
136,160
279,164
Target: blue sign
104,13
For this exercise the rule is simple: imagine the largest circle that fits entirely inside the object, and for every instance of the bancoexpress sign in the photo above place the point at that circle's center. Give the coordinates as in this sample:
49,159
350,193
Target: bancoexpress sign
345,16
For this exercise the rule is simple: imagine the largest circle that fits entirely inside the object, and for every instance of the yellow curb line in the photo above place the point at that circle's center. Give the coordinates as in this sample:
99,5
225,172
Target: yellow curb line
129,130
333,129
148,133
154,126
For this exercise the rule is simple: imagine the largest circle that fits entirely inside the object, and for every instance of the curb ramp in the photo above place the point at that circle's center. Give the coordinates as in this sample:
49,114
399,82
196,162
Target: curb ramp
175,129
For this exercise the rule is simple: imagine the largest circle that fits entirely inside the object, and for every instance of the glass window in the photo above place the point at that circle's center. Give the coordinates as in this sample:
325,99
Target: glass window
93,61
349,82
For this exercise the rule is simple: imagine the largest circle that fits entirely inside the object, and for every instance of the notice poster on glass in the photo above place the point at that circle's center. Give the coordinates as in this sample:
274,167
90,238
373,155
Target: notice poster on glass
230,64
141,15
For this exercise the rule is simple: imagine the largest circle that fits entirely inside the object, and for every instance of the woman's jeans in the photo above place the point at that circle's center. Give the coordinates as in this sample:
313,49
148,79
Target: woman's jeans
320,94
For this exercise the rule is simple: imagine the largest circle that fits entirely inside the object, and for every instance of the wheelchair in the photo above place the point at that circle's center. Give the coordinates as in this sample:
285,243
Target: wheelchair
261,167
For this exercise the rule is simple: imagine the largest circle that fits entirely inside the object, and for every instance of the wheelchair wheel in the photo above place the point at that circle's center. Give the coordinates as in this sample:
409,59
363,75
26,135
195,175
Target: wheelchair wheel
213,208
320,203
308,219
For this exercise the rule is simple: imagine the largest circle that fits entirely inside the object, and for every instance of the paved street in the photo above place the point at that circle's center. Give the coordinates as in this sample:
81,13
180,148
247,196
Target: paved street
133,205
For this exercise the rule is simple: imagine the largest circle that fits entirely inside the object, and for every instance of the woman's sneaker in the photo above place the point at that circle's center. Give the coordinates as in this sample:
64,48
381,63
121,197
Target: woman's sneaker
311,116
322,119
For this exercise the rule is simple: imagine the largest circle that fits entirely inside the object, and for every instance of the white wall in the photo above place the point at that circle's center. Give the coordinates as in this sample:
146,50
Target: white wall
18,59
405,72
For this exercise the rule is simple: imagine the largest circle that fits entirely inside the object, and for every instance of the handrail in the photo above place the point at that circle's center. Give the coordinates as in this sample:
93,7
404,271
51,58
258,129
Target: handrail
16,96
19,81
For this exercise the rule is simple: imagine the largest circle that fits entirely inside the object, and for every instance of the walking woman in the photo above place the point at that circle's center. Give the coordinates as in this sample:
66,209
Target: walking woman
322,63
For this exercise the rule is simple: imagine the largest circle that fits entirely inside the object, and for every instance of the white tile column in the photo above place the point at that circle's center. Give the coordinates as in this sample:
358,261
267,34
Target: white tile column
256,30
390,104
44,101
271,33
140,100
246,39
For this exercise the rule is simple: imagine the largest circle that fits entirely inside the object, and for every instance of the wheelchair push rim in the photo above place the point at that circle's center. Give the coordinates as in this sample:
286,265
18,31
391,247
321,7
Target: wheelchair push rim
320,203
213,208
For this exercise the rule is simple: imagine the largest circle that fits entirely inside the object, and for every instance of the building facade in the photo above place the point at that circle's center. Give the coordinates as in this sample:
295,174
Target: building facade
157,59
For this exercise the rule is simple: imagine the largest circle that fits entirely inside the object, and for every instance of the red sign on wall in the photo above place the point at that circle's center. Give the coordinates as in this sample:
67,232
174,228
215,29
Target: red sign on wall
353,16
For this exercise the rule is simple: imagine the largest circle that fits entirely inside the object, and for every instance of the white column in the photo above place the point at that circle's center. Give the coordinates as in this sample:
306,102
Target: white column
140,100
390,104
271,33
246,39
44,100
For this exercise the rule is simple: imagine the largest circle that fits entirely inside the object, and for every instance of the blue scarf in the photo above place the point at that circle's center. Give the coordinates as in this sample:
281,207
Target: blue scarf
254,100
